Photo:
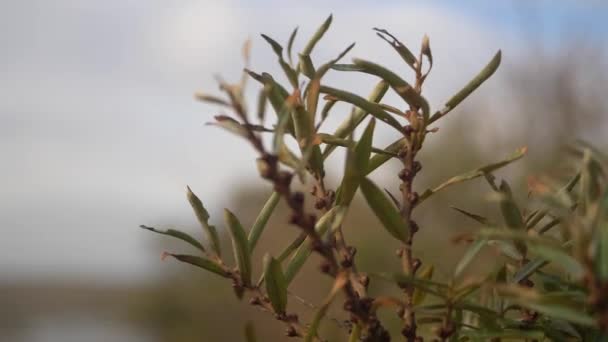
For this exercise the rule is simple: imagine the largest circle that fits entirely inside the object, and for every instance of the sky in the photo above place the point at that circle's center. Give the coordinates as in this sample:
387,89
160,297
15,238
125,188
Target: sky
99,131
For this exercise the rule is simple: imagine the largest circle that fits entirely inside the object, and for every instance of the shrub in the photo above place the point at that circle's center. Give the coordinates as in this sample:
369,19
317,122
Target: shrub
550,281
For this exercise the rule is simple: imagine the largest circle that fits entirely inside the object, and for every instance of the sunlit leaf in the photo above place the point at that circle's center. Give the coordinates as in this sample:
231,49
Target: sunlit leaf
485,73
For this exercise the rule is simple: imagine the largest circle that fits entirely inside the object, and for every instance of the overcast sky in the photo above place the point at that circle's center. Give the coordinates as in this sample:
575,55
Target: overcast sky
99,131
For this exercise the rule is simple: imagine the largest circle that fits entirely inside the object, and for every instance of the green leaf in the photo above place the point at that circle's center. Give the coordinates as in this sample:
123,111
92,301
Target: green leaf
307,66
330,221
203,263
292,38
262,219
528,269
178,235
347,67
331,140
426,273
488,335
356,161
203,218
475,173
291,74
590,181
469,255
485,73
401,87
261,110
240,246
369,107
425,285
276,284
559,256
513,218
350,123
379,159
510,211
385,210
317,36
473,216
557,307
401,49
276,47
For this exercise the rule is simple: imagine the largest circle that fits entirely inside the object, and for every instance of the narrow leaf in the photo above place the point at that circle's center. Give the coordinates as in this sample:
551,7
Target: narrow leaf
276,285
401,49
475,173
317,36
203,263
385,210
485,73
262,220
292,38
367,106
347,126
469,255
426,273
178,235
203,218
401,87
240,246
473,216
357,159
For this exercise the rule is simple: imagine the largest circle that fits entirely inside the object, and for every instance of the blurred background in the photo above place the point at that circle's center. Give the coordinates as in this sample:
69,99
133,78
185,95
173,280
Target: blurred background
99,133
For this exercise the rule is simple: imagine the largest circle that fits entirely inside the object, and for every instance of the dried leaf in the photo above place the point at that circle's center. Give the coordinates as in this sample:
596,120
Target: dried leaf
401,49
